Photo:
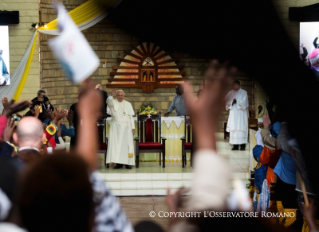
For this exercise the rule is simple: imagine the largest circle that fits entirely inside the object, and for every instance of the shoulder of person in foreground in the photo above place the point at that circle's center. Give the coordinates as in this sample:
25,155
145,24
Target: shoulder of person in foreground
109,214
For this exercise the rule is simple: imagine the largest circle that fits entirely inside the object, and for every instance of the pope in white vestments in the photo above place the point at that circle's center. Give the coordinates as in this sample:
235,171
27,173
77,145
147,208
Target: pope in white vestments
120,147
237,126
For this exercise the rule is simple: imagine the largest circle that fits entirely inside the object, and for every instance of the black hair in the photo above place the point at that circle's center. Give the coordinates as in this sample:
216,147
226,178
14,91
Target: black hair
145,226
236,82
35,103
40,91
56,195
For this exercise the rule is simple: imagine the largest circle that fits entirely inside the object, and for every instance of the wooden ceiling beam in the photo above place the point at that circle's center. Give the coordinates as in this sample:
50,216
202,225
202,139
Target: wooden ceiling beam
133,55
163,55
137,50
123,73
121,79
172,79
153,49
157,52
171,67
142,46
127,61
171,73
125,67
168,61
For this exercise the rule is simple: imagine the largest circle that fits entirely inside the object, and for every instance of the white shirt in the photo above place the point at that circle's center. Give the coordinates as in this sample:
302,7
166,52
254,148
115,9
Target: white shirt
9,227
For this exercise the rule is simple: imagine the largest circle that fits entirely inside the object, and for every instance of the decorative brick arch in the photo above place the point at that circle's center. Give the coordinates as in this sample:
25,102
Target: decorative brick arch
147,67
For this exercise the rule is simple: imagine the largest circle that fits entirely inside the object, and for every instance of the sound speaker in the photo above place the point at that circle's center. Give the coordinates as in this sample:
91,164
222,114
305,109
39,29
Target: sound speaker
9,17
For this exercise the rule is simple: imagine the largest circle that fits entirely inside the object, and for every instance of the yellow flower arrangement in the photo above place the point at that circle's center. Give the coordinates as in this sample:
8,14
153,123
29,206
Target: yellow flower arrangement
148,108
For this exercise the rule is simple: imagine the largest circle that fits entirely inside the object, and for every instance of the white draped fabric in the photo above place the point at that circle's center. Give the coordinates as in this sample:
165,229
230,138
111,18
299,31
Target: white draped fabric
238,120
82,26
15,78
120,147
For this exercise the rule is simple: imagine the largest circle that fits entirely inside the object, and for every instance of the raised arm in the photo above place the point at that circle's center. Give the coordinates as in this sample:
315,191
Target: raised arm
109,101
87,135
268,141
282,140
8,109
211,172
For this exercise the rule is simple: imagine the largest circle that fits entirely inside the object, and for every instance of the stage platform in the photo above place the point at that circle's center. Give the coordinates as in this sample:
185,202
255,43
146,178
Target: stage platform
152,179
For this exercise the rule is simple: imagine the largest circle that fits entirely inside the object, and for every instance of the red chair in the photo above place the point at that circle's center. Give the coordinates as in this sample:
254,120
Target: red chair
186,141
149,138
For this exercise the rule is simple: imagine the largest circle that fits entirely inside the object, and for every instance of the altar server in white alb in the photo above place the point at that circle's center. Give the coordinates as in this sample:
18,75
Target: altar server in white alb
237,126
120,148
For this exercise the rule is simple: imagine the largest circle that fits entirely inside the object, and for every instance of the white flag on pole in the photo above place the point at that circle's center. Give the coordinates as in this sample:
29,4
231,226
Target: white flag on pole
73,51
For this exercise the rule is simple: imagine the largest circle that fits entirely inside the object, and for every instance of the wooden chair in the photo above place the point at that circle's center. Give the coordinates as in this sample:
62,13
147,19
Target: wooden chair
186,141
226,134
103,142
253,123
149,139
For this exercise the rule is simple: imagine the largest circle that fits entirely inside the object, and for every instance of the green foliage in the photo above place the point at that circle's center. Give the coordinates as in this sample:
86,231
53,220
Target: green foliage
147,108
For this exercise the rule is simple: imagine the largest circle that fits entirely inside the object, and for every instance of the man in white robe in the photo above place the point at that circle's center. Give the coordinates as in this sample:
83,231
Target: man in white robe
237,126
120,148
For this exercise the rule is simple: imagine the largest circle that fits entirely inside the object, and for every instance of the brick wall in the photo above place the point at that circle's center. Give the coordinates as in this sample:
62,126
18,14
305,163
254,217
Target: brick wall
19,38
109,43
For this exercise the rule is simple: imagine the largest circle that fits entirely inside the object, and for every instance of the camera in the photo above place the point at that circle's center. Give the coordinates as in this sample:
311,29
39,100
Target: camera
16,118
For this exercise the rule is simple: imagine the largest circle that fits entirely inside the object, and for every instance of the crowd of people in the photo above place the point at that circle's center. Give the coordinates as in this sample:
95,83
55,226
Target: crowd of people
45,188
281,163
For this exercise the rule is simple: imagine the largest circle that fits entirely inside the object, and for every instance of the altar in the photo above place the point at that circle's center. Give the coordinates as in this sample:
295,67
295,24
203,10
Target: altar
173,130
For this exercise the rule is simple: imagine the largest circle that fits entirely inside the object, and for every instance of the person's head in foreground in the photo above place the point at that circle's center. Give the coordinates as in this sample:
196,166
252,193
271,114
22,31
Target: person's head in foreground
56,195
146,226
41,95
236,85
179,90
120,95
8,182
29,133
33,105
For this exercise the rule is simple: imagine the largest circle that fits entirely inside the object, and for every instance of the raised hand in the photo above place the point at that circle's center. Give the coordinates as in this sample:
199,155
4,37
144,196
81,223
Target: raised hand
37,110
11,108
206,111
8,131
89,108
174,201
91,96
59,114
113,92
5,102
